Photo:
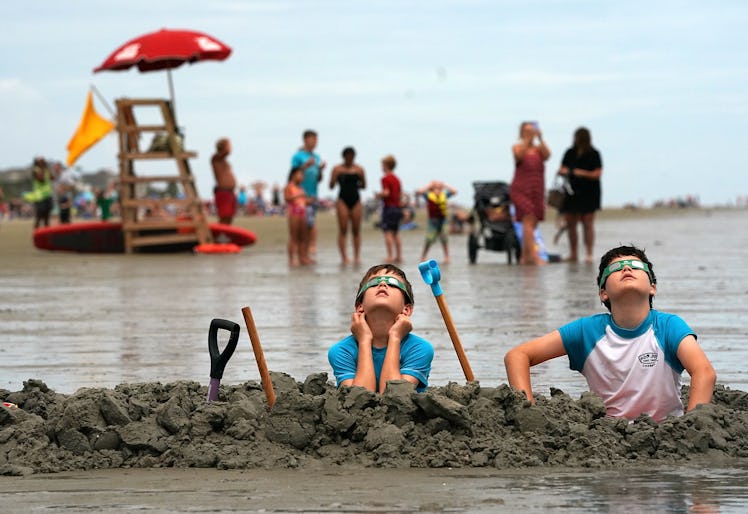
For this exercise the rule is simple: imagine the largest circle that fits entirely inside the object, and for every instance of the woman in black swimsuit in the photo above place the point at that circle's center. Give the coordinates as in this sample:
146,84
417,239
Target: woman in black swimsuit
351,178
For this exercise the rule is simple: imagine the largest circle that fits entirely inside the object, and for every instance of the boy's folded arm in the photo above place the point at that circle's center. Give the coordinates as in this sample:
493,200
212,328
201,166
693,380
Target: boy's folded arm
700,369
519,359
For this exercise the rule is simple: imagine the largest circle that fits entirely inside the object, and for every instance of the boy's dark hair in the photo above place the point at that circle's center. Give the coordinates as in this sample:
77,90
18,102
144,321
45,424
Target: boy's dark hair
387,268
622,251
348,150
308,133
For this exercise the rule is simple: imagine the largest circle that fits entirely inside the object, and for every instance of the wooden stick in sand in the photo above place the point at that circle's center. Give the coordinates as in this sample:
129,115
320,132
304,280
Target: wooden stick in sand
431,275
267,383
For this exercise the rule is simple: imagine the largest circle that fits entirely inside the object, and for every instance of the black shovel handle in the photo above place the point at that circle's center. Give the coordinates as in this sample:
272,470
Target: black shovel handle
218,360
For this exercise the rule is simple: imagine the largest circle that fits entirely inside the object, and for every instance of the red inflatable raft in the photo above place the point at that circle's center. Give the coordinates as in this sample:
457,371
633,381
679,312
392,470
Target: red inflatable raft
105,237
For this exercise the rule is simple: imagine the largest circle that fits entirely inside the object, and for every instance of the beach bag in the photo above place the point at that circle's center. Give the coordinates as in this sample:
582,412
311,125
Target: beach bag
557,194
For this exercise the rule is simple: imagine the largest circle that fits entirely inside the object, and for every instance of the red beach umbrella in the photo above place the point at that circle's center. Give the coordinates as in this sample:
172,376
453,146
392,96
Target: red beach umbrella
163,50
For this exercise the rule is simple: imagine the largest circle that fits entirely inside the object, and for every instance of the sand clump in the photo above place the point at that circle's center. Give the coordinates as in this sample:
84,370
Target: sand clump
313,424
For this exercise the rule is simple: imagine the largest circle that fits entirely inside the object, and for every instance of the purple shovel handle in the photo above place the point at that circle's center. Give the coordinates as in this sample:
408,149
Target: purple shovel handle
213,389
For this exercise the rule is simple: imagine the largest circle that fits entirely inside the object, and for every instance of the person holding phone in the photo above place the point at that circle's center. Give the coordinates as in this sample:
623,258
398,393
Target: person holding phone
527,190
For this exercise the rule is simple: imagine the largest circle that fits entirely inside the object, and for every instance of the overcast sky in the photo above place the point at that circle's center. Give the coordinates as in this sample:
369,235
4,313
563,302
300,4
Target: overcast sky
442,85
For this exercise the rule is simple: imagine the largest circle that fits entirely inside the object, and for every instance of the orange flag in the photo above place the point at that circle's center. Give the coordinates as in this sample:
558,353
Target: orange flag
91,129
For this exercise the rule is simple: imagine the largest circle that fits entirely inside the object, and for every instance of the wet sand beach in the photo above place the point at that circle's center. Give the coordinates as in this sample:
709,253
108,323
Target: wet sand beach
132,331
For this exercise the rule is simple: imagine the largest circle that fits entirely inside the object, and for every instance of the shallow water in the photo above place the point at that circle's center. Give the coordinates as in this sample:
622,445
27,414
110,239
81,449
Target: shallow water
721,490
100,320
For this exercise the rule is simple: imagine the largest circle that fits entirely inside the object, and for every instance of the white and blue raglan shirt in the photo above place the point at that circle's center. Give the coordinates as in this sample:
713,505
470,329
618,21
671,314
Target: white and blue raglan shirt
416,355
634,371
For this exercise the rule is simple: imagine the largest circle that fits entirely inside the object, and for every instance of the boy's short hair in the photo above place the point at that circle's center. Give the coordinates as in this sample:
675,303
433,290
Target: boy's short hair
308,133
387,268
622,251
390,162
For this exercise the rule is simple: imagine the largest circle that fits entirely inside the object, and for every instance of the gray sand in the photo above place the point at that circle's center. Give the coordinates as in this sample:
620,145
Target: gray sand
312,424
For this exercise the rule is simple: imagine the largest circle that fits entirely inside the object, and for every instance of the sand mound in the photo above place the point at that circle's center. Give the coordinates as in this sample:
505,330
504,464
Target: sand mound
312,423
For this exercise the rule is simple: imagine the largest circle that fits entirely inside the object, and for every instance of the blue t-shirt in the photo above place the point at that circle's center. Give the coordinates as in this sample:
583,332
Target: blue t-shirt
416,355
311,174
634,371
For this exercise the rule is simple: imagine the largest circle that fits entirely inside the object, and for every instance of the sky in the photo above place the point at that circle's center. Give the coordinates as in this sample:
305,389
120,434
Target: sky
442,85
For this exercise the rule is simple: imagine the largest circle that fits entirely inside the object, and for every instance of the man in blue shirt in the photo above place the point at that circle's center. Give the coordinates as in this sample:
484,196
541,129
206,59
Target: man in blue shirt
311,164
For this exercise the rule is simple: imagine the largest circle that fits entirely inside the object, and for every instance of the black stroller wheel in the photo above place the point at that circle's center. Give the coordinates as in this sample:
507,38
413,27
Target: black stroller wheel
472,248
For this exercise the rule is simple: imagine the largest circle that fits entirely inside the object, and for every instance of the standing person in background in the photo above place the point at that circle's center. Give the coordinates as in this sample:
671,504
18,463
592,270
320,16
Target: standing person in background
392,212
527,190
298,231
3,205
312,166
351,177
275,202
436,194
583,167
223,191
104,201
259,207
64,200
41,194
242,199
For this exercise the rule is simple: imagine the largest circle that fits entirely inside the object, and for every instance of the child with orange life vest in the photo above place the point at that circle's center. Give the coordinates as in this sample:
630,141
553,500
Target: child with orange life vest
436,194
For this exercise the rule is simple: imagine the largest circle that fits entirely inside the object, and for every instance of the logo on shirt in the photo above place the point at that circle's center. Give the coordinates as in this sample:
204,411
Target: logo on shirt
648,360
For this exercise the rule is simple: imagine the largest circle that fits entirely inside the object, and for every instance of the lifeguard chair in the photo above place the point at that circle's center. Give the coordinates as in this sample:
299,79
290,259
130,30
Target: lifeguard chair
139,224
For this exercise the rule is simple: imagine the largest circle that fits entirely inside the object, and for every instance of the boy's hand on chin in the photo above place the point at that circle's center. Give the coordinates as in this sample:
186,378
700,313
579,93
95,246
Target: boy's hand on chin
401,327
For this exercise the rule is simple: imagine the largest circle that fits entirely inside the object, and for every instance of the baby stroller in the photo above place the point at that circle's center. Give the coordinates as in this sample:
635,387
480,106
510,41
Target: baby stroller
494,230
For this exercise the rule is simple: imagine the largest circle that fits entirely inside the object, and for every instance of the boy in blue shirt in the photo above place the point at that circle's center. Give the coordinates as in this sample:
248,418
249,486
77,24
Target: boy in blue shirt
632,357
381,346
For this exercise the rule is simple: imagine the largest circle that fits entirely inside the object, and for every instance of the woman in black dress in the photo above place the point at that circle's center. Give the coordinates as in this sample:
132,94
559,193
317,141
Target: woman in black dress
583,167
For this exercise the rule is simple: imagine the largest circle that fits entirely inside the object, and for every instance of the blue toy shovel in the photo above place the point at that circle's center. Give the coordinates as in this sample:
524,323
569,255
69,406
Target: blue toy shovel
218,359
431,275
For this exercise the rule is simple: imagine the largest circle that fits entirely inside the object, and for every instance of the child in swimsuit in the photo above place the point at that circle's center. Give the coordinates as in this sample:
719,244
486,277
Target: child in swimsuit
350,177
298,231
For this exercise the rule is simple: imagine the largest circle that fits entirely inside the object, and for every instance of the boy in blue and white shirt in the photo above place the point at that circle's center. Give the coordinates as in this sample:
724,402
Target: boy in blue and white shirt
632,357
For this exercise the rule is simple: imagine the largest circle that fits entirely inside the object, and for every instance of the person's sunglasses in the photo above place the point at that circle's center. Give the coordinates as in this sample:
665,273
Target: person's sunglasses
619,265
390,281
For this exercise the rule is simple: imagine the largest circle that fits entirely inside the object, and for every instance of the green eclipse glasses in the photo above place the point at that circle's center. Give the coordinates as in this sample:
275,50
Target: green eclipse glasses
389,281
618,266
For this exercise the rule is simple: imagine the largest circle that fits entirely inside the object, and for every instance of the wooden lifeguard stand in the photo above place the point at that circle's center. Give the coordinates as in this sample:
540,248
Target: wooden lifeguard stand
138,227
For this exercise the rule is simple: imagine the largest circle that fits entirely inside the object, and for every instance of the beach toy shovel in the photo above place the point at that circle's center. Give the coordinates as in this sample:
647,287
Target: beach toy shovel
267,383
431,275
218,359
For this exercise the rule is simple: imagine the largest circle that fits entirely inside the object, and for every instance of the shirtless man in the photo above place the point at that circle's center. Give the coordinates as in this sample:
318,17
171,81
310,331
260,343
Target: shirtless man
225,198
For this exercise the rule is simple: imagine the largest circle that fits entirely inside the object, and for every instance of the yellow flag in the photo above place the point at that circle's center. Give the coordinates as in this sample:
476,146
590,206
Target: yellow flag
91,129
